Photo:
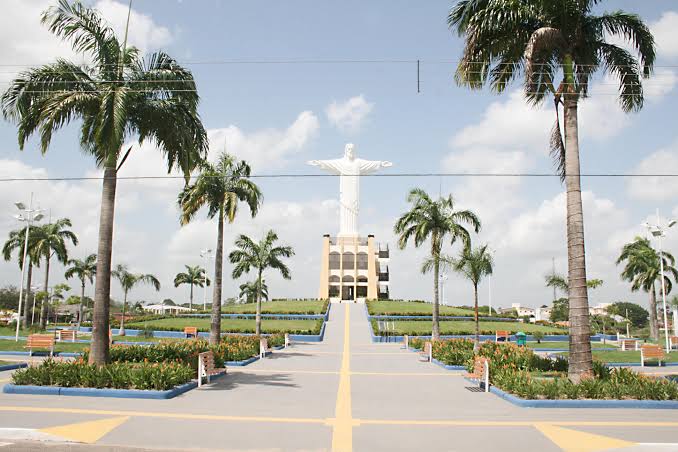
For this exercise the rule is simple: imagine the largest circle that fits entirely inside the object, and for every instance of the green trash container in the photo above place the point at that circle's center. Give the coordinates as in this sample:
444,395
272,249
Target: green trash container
521,339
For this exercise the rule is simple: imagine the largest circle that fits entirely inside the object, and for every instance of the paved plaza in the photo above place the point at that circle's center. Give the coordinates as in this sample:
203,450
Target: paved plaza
345,393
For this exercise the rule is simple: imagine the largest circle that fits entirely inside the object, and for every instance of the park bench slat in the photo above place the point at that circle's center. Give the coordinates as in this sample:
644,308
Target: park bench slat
651,351
481,372
502,334
40,341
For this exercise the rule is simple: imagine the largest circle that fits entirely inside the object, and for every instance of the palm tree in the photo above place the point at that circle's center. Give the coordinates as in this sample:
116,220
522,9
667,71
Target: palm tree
17,241
435,220
119,97
50,240
220,187
474,264
128,281
56,299
558,282
546,40
643,271
249,291
259,256
194,276
84,270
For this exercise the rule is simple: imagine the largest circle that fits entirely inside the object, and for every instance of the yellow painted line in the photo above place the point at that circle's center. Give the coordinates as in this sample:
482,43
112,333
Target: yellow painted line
342,431
86,432
333,372
527,423
576,441
282,371
409,374
185,416
378,354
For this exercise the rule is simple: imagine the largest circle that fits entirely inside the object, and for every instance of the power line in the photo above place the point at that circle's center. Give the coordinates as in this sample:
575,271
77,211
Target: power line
309,175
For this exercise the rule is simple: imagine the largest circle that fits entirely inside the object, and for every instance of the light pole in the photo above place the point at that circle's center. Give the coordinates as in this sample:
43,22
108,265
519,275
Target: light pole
28,216
443,278
206,254
35,291
489,287
658,231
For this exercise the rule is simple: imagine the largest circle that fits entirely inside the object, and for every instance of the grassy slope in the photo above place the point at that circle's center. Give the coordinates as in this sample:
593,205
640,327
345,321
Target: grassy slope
228,325
7,345
451,327
388,307
564,345
278,307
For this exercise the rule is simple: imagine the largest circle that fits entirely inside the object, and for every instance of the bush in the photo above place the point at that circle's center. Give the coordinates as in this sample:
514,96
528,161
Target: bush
538,336
152,376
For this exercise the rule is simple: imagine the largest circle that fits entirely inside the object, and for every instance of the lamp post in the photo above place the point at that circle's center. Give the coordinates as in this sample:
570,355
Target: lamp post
489,287
443,278
28,216
658,232
35,291
206,254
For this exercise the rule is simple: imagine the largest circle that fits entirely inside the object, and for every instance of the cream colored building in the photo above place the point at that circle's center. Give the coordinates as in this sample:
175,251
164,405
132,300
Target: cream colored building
354,268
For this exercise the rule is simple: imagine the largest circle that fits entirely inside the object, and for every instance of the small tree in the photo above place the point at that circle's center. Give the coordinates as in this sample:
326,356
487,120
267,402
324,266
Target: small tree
128,281
193,276
84,270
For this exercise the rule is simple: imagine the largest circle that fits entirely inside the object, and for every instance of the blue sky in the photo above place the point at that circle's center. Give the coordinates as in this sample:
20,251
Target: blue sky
280,115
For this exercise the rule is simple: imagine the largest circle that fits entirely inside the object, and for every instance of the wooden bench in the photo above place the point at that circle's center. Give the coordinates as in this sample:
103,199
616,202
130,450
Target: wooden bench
40,341
206,367
481,372
651,351
66,335
673,341
505,335
264,347
191,331
426,353
629,344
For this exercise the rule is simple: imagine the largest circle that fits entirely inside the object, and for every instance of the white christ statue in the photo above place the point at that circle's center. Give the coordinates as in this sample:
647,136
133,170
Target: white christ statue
349,168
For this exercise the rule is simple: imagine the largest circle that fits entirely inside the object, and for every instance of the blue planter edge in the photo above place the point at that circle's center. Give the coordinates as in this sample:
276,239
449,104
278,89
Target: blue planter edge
13,366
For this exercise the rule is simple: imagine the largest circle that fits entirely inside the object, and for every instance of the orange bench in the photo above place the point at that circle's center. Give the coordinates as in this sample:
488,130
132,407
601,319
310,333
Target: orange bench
427,352
481,372
674,341
40,341
651,351
206,367
66,335
191,331
629,344
505,335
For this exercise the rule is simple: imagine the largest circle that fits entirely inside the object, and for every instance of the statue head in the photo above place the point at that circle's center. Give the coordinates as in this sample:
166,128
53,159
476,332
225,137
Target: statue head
349,151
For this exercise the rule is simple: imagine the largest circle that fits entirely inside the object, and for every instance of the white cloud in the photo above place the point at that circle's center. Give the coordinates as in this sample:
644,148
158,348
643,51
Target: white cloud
663,161
662,82
25,41
350,115
665,32
267,148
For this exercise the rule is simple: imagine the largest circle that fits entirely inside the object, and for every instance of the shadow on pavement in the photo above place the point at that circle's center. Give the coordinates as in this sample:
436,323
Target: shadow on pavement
233,380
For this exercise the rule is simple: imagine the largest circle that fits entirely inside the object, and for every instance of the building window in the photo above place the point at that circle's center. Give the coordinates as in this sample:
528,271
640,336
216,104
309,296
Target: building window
334,279
334,291
335,261
348,278
362,292
362,261
349,261
362,279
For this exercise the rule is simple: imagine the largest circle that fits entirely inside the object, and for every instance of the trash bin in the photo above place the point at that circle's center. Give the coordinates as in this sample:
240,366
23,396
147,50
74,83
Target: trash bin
521,339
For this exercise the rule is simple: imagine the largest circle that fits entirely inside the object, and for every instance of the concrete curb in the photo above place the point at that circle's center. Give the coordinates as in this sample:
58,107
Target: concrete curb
41,354
99,392
13,366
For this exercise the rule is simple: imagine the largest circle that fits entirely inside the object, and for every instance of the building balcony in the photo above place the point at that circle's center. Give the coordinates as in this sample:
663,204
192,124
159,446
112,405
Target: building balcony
383,277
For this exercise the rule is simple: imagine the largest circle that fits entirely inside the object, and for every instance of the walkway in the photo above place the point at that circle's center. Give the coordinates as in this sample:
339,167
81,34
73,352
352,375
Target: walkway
344,394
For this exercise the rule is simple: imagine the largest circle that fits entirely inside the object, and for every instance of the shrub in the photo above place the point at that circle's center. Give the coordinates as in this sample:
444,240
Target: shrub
153,376
454,352
538,336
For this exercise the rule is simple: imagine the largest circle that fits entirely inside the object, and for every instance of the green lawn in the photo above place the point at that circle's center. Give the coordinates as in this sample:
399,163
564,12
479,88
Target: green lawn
391,307
9,345
452,327
564,345
232,325
626,357
279,307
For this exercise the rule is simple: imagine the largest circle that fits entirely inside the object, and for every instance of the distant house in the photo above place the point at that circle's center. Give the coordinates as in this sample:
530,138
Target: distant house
166,309
542,314
599,309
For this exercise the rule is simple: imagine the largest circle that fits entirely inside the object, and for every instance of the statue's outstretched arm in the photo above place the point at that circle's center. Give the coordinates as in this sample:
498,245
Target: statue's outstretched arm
370,166
327,165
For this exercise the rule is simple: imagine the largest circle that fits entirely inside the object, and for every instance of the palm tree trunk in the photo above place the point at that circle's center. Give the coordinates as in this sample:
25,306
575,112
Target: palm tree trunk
476,345
654,324
215,327
190,301
121,332
102,295
257,330
82,301
435,248
580,359
45,303
29,280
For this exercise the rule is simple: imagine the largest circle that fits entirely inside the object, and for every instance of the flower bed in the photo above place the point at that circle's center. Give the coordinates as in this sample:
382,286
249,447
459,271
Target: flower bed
120,375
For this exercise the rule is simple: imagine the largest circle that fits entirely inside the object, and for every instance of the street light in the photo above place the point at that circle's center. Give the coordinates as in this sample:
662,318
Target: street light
205,254
489,286
28,216
658,231
443,278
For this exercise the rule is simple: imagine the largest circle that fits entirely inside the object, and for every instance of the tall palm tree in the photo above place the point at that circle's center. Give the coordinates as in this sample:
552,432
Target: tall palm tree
56,299
120,96
249,255
50,241
558,282
643,270
17,241
128,281
435,220
194,276
557,45
474,264
85,270
249,291
220,187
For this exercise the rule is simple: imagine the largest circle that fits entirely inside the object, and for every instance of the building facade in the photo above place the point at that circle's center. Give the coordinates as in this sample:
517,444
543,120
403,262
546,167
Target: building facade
354,268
